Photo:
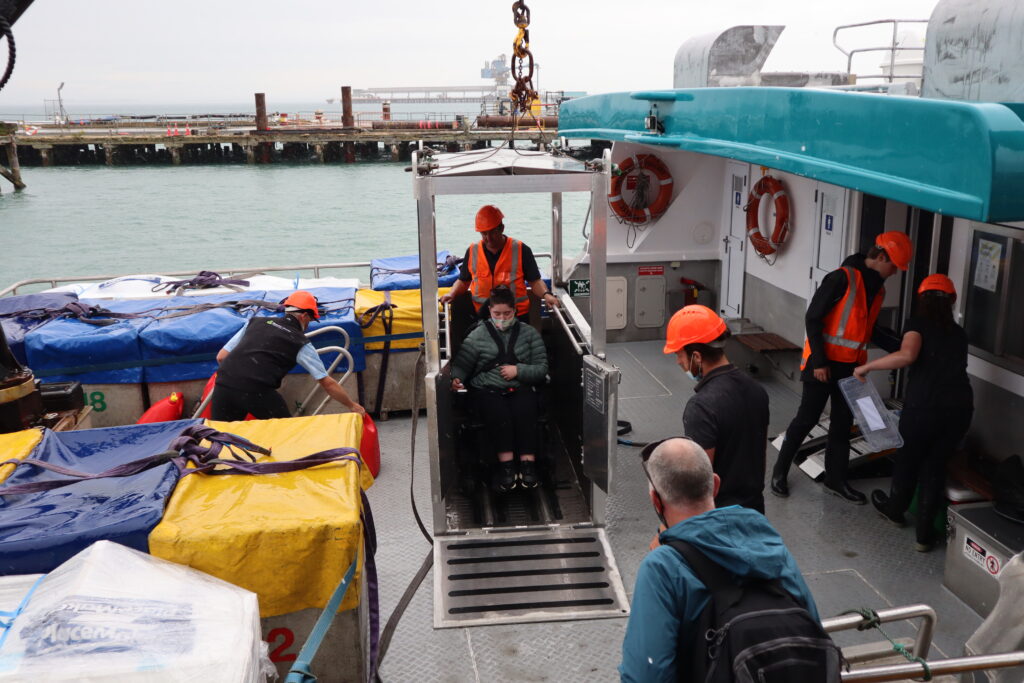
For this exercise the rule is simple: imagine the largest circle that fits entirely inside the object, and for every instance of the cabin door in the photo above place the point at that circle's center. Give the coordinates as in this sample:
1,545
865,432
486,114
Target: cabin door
830,234
734,248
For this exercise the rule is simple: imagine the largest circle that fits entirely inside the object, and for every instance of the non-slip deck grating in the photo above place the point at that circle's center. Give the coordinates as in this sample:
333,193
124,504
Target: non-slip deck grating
521,577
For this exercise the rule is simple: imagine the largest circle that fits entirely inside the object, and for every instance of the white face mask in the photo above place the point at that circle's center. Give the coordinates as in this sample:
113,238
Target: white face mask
695,374
502,325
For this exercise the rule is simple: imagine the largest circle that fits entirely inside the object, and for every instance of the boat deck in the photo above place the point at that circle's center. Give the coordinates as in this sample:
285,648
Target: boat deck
849,556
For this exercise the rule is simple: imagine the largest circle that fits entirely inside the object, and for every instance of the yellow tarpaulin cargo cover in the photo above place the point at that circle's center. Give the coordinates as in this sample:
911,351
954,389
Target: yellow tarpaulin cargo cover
17,446
287,537
407,316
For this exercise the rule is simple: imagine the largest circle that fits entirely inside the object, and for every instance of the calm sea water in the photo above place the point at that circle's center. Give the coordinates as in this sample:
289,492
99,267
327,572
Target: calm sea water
97,220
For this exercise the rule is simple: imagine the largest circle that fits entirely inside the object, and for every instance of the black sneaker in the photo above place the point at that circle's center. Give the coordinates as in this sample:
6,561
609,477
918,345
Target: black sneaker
881,502
846,492
505,476
528,474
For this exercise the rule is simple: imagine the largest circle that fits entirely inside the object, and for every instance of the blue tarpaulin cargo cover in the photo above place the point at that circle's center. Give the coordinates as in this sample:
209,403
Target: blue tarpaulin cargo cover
16,327
337,308
383,276
41,530
195,338
68,349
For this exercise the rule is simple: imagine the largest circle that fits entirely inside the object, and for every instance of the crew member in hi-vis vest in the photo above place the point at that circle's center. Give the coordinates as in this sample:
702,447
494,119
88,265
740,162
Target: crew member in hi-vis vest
840,321
498,259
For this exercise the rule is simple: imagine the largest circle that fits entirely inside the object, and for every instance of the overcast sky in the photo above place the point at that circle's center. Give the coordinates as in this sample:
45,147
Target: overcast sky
141,52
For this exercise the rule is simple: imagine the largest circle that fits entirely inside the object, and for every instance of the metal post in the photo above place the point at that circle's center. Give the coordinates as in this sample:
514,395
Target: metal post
556,240
599,259
261,112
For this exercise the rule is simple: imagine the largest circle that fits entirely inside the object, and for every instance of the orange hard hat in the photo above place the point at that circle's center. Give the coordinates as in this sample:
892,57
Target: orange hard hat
694,324
937,282
305,301
488,218
897,245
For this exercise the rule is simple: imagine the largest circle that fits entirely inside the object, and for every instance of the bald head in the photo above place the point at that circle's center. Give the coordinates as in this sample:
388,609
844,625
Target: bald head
681,471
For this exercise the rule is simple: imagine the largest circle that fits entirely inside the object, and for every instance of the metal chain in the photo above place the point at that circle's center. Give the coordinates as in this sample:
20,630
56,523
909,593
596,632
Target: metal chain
523,94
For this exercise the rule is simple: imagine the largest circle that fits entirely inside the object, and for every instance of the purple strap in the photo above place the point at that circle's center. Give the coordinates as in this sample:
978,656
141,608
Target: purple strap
94,315
185,450
206,279
372,584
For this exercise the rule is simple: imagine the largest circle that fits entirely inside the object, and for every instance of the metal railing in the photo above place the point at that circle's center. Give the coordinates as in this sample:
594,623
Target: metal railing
893,48
316,269
920,648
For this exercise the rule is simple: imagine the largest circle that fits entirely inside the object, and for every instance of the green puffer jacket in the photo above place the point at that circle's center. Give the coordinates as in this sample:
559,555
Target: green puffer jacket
479,351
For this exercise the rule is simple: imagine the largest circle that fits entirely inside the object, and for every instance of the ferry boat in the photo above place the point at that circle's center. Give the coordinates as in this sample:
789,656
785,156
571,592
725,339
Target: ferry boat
854,159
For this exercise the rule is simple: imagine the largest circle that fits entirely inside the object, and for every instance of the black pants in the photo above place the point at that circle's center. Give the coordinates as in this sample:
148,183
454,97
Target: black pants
511,420
929,438
812,403
230,405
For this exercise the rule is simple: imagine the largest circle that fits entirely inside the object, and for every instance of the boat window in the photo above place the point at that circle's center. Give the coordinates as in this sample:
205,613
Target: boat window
992,314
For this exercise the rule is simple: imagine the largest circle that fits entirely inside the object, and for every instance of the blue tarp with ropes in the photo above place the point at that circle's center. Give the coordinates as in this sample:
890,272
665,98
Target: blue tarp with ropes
39,531
385,273
167,349
68,349
196,338
16,327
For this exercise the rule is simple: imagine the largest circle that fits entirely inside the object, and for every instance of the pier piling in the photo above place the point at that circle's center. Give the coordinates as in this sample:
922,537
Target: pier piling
348,122
261,112
13,170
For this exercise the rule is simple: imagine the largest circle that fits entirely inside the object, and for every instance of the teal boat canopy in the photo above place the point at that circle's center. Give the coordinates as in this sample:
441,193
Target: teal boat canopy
957,158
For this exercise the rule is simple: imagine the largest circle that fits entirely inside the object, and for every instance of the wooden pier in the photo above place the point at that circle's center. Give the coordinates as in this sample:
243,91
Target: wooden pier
251,146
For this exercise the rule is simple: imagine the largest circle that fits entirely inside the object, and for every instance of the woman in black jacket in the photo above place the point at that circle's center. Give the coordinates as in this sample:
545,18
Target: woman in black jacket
937,408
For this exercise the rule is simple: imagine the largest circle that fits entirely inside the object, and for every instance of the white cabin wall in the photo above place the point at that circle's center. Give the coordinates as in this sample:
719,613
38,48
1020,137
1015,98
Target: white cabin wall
775,296
691,228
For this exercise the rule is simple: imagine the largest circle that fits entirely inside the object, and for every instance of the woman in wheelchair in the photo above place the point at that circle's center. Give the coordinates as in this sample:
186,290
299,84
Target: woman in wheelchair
502,360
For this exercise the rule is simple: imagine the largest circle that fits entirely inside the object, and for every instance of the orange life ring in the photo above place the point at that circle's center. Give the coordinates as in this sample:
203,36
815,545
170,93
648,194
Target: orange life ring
774,189
645,162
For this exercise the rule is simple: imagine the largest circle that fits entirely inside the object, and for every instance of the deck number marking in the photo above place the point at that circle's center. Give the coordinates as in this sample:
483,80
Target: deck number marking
98,401
594,390
279,653
579,288
736,198
977,554
828,222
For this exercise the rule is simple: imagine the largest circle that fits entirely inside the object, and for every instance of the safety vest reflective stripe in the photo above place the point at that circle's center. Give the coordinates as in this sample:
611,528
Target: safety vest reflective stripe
847,330
851,278
507,271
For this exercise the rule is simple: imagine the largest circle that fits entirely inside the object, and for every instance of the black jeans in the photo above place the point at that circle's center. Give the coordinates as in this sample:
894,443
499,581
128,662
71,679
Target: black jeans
929,438
837,452
230,405
511,419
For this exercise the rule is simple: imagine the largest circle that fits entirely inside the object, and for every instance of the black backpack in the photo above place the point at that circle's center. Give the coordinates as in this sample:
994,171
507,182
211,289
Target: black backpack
754,632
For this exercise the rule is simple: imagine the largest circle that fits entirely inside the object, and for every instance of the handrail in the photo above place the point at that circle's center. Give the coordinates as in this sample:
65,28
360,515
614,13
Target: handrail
351,364
923,642
331,328
447,309
557,312
901,672
893,48
52,281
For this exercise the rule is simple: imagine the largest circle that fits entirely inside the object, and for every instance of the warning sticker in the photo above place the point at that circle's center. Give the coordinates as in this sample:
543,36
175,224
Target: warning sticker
992,565
975,552
650,270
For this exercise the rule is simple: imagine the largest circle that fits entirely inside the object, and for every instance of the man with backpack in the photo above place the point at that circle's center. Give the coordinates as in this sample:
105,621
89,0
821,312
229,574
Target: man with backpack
714,565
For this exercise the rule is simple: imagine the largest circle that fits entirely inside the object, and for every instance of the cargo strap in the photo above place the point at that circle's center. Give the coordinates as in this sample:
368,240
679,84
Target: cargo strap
299,671
7,618
93,315
189,456
443,268
206,279
386,313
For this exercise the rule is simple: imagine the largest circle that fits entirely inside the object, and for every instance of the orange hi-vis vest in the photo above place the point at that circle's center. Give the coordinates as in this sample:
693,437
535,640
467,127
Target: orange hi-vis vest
849,324
507,271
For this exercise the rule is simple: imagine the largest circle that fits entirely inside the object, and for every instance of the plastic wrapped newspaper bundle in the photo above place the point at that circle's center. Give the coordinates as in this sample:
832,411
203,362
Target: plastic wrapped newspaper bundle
114,614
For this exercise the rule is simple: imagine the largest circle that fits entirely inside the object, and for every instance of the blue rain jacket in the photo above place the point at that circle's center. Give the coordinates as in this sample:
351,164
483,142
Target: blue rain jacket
668,598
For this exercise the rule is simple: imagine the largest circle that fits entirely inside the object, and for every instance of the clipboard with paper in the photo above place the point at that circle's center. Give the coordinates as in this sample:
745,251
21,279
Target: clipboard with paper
878,425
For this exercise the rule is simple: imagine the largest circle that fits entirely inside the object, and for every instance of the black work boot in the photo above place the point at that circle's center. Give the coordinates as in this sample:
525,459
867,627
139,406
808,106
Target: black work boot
846,492
881,502
505,476
779,485
528,474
